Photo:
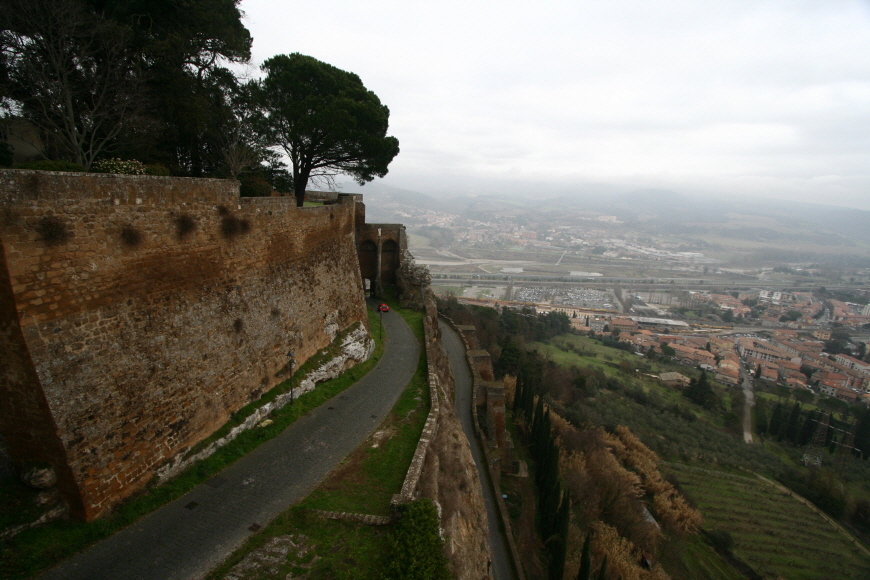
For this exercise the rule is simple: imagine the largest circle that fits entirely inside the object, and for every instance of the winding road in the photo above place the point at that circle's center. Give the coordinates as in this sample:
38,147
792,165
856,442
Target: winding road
501,563
187,538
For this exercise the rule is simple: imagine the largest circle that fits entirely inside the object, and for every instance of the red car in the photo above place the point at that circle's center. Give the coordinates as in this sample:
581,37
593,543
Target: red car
383,308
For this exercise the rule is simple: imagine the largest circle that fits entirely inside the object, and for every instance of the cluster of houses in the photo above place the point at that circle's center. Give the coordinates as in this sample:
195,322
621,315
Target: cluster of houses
849,314
794,310
793,351
793,356
711,353
786,355
786,358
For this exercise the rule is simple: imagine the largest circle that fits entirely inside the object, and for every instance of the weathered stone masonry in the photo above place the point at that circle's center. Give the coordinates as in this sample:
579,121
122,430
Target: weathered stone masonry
137,313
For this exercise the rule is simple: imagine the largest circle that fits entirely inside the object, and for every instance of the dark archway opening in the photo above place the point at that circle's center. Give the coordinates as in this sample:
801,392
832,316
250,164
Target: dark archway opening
389,262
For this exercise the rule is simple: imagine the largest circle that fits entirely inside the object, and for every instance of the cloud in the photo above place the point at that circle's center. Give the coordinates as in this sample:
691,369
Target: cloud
772,95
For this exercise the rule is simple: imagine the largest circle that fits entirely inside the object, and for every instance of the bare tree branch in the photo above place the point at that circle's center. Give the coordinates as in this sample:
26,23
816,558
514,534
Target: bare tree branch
71,73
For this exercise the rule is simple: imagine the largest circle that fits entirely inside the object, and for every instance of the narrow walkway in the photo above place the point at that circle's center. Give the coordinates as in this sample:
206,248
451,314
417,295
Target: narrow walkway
749,402
501,564
187,538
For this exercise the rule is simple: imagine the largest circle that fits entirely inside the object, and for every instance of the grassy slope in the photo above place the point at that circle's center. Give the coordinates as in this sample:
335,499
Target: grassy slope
604,359
691,558
773,532
700,440
686,558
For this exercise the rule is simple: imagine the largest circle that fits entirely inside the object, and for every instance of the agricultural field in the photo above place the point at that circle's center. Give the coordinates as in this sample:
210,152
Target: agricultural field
773,532
691,558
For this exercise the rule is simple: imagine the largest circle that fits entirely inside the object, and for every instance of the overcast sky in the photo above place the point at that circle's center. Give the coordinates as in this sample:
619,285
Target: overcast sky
762,98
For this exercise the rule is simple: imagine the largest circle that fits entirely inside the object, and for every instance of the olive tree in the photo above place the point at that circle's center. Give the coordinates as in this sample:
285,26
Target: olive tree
325,121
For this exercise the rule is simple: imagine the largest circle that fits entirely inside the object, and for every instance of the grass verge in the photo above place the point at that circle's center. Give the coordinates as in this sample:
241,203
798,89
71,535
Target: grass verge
35,550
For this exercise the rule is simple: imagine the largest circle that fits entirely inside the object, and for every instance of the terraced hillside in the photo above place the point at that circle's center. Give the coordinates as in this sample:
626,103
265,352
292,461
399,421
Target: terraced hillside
773,532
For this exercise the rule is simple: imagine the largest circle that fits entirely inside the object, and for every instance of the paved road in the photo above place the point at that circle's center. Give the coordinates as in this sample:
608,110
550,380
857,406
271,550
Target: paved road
190,536
501,564
749,395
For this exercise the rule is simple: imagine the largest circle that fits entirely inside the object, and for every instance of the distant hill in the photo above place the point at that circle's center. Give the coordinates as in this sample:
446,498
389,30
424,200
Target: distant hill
384,202
804,231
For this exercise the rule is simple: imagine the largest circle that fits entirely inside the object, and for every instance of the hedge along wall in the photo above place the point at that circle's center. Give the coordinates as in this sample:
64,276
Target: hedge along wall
139,312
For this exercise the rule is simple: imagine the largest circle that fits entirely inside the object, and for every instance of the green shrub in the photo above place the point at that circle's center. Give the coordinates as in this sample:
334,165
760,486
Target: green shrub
416,548
6,154
254,185
721,540
118,166
157,169
47,165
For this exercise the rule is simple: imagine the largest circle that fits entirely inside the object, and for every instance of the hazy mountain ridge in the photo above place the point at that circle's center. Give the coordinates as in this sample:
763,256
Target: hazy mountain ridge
652,210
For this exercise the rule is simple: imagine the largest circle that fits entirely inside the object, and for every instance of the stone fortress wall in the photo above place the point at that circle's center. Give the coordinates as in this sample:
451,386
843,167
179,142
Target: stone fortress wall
137,313
383,251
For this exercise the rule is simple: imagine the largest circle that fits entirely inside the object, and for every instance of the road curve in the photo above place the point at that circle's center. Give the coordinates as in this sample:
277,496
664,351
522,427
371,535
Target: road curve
501,564
187,538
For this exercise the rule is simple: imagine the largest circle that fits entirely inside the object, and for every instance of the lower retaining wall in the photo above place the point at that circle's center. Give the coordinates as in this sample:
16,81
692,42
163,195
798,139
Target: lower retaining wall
430,429
359,518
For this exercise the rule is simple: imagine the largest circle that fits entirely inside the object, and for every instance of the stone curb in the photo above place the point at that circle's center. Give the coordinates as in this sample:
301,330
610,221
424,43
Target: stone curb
59,511
359,518
331,368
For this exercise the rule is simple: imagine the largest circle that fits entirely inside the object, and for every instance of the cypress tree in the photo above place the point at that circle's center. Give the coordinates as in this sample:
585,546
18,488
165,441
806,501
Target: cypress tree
558,542
537,423
565,515
761,417
602,572
518,393
794,421
529,403
809,427
585,572
776,420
